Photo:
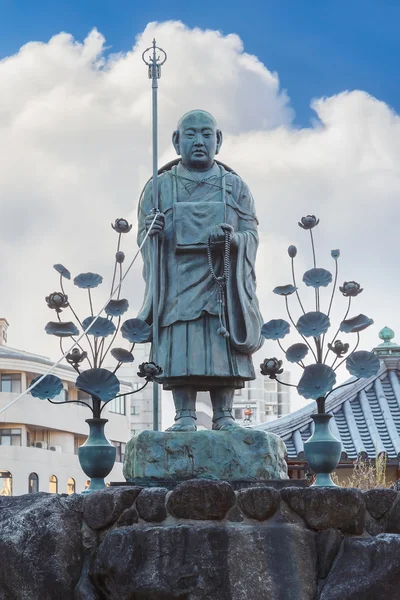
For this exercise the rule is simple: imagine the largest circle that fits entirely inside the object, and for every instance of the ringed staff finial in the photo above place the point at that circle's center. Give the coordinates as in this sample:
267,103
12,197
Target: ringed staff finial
154,61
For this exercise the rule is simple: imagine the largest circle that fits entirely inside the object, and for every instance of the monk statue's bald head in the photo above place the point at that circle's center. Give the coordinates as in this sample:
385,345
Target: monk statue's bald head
197,140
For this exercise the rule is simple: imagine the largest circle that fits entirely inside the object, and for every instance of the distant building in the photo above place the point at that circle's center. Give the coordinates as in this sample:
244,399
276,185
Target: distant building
366,418
266,398
140,403
39,441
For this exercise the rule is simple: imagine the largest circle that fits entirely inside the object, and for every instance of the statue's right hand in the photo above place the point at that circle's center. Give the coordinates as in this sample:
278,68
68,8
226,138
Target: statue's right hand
158,225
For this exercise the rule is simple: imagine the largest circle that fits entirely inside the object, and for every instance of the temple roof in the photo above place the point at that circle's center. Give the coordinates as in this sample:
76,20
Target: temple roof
366,415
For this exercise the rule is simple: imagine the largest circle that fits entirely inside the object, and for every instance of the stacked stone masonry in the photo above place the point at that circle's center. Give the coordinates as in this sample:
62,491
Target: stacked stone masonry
201,541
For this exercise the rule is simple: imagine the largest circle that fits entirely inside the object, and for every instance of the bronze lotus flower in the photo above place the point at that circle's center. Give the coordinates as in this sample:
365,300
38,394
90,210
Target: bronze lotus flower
271,367
57,301
149,370
309,222
339,348
75,357
121,226
351,288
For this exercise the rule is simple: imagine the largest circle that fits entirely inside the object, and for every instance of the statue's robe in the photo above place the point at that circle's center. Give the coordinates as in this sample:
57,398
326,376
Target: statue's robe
191,352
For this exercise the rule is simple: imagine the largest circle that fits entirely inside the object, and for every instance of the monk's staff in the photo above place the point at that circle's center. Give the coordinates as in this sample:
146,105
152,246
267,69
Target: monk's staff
154,63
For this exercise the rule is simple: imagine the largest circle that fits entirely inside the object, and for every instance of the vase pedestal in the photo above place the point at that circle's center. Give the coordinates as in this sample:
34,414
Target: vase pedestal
322,451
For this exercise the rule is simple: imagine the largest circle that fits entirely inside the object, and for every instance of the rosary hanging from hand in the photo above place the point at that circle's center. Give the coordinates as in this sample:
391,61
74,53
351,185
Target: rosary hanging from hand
221,281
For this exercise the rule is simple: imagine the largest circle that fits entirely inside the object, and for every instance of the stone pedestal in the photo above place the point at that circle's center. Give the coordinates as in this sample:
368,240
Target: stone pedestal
236,455
201,541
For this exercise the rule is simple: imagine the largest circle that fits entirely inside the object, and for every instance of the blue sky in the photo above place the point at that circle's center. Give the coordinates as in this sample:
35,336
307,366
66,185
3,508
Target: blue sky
317,48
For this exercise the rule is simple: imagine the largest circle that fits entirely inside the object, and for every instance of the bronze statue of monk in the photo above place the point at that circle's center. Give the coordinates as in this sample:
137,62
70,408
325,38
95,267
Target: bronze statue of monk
209,319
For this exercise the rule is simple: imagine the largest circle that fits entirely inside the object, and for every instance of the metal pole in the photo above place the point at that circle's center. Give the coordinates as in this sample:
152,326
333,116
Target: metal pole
154,63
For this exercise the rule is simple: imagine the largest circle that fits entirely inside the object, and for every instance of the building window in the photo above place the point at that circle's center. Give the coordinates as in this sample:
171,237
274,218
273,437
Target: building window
238,414
83,395
117,405
10,437
135,410
134,432
53,485
33,483
61,397
71,486
11,382
120,455
78,441
5,483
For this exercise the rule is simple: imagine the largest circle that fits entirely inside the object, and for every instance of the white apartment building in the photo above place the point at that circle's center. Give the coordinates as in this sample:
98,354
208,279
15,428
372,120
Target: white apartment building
39,441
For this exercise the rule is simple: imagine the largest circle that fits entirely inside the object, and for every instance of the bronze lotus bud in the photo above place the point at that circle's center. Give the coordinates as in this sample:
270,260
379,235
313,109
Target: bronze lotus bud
351,288
57,301
271,367
121,226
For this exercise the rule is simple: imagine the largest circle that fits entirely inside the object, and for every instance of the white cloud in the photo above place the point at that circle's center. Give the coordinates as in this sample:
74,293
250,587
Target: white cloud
76,150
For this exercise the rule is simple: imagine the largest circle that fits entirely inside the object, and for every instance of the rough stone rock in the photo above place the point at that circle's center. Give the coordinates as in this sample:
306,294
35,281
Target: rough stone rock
84,590
366,569
393,522
328,508
328,544
235,515
151,504
40,548
373,526
206,563
103,508
72,501
128,517
89,537
240,454
287,515
379,501
201,499
259,502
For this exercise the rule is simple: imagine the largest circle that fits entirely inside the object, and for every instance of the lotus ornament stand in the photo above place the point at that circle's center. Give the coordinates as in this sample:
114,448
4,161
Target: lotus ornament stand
322,450
97,454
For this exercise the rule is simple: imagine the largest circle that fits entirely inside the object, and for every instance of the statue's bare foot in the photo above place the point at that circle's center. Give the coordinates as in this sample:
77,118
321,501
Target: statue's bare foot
225,423
183,424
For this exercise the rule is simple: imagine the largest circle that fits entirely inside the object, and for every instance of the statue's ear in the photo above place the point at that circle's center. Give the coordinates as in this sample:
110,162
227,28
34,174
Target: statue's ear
175,141
219,141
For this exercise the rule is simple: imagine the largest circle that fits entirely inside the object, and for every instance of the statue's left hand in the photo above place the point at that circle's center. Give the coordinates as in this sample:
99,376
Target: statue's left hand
217,233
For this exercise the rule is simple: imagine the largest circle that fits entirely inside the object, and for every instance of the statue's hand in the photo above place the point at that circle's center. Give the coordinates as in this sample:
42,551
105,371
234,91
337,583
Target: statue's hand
158,226
217,233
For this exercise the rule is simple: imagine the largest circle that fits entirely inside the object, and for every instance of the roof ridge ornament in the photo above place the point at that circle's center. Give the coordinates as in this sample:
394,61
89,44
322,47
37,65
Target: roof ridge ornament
388,350
386,334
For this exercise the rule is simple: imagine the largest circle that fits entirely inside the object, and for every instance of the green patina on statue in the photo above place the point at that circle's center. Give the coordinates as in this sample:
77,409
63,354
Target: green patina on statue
209,319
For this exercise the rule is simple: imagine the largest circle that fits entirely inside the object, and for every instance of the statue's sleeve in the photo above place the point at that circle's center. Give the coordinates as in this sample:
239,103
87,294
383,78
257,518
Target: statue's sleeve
244,316
144,209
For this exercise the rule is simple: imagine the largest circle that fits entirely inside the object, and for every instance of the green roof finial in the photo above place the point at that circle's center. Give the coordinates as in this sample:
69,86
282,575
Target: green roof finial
386,334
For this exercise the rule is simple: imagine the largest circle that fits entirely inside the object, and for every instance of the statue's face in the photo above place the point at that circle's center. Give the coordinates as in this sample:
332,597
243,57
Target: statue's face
197,141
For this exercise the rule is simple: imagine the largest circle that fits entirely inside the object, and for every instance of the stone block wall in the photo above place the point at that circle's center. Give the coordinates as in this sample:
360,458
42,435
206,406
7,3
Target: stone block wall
201,541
